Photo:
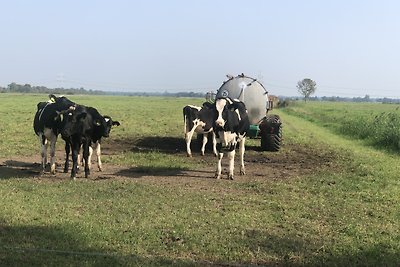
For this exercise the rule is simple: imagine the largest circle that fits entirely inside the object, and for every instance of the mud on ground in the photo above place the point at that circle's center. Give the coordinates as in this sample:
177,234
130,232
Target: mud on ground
292,160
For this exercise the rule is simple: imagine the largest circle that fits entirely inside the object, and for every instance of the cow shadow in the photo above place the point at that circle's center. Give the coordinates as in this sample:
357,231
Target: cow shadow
141,171
18,169
164,144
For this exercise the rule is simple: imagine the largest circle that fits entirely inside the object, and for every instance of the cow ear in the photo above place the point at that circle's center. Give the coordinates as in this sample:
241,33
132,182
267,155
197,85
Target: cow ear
116,123
107,118
53,98
60,115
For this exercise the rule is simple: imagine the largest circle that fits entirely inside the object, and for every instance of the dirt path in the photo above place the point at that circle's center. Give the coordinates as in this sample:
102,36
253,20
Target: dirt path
291,161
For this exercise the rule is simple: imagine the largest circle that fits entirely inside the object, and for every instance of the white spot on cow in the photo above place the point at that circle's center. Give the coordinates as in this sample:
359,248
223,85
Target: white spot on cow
220,105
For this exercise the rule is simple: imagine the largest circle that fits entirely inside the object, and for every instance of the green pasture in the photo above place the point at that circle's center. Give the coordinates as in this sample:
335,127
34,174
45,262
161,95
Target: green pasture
343,216
376,123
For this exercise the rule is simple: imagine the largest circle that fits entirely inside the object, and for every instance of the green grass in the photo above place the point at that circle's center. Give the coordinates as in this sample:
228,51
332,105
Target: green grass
345,216
377,124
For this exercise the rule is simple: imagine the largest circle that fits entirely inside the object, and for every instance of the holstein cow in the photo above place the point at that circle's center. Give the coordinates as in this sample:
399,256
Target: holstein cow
47,126
199,120
97,145
82,127
230,126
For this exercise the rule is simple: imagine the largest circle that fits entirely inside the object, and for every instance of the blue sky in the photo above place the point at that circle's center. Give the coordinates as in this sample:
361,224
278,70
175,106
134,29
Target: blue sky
350,48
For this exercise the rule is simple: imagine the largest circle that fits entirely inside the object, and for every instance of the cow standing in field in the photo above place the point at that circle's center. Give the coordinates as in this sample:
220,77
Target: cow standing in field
97,145
82,127
199,120
47,126
230,126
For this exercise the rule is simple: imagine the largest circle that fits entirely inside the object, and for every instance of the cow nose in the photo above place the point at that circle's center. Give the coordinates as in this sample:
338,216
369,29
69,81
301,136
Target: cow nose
219,123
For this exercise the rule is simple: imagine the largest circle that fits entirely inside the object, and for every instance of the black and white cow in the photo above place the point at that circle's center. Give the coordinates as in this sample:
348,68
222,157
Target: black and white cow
97,145
230,126
199,120
82,127
47,126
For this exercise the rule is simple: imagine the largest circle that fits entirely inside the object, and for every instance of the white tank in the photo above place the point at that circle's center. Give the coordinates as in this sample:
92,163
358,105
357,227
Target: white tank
248,90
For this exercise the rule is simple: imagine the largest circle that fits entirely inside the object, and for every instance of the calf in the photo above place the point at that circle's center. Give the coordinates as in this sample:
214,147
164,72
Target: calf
47,126
82,127
97,145
230,126
200,120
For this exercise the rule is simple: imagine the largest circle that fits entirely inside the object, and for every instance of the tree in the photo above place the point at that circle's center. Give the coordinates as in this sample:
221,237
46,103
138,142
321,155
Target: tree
306,87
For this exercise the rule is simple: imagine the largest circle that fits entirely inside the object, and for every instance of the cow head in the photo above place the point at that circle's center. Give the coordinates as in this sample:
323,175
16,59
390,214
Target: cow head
61,102
226,111
231,121
73,121
104,124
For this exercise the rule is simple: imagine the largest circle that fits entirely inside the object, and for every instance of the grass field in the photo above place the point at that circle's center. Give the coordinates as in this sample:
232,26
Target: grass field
325,199
376,123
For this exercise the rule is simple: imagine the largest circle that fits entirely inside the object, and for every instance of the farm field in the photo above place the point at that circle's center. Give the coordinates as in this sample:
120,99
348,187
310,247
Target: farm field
328,198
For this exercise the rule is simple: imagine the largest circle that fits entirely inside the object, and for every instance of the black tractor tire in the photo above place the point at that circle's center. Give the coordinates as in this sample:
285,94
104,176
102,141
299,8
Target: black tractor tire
271,133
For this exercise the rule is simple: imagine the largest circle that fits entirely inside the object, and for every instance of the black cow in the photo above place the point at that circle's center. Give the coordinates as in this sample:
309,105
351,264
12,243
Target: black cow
230,126
97,145
47,126
83,127
199,120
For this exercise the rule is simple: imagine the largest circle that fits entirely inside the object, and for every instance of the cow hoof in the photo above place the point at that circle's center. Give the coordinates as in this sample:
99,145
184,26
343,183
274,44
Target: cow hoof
242,172
217,176
189,155
230,177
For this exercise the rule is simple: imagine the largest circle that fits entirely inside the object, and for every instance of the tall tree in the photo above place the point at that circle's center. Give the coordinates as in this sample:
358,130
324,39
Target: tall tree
306,87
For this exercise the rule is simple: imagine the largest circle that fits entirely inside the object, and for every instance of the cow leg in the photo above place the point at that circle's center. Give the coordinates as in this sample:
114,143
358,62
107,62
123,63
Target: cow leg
67,151
231,158
43,151
75,152
90,157
188,138
80,158
214,144
98,153
86,146
203,146
241,155
53,141
219,165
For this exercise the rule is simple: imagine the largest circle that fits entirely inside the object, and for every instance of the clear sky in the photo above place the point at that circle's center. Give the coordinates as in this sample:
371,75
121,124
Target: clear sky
350,48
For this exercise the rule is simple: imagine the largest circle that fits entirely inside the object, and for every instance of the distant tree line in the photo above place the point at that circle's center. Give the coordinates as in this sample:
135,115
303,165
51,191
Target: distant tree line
366,98
27,88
